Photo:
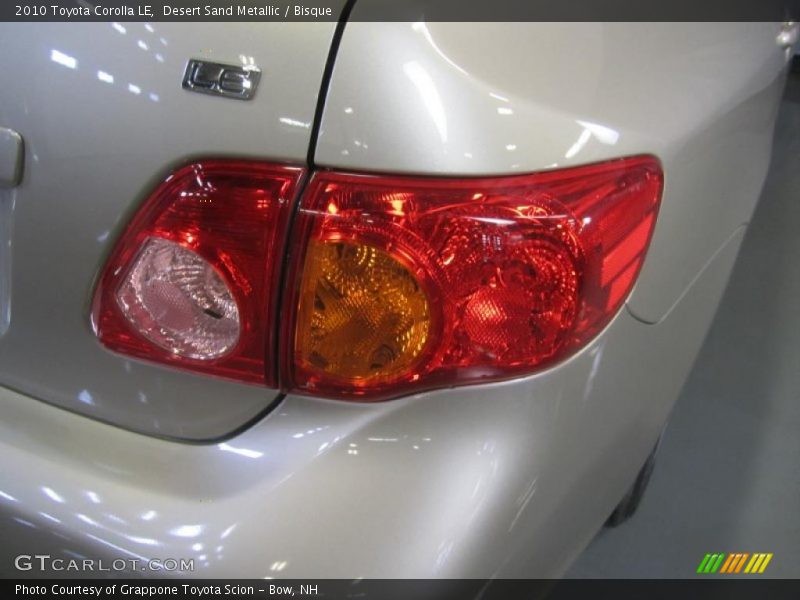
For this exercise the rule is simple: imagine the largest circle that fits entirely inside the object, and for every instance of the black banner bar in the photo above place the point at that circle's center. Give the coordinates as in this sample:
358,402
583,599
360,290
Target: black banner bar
712,588
400,10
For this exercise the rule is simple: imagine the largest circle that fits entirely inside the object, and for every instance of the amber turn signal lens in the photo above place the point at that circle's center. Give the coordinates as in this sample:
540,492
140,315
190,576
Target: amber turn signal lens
363,317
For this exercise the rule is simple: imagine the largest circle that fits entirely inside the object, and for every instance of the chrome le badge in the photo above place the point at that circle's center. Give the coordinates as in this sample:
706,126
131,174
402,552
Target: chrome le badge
228,81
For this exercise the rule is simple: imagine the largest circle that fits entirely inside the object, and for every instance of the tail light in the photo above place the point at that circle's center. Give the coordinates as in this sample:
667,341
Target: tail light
192,281
404,284
395,284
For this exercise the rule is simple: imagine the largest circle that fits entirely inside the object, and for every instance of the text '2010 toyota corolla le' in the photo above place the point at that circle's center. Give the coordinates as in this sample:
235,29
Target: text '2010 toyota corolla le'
360,300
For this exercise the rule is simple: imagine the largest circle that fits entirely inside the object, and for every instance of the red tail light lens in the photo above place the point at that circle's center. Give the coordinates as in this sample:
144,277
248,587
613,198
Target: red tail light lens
402,284
395,284
192,280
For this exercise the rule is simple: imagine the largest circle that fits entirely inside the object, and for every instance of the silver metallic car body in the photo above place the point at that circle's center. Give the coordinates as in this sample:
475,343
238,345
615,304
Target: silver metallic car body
507,479
104,117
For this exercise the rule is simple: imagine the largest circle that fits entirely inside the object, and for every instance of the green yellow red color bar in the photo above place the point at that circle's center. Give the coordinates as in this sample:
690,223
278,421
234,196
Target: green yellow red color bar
734,563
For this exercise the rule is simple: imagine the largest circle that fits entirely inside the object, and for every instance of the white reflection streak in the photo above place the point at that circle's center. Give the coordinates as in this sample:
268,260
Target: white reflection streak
499,97
604,135
422,28
24,522
429,94
63,59
88,520
107,77
50,517
144,541
8,497
50,493
523,502
445,548
187,531
494,221
240,451
227,532
582,140
116,519
294,122
597,356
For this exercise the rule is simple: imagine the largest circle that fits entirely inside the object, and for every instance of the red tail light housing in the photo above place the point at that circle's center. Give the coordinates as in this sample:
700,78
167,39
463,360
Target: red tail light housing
394,284
517,273
192,282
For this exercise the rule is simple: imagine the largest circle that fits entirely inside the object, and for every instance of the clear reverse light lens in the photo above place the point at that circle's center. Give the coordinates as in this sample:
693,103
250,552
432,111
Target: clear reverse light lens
177,300
193,280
